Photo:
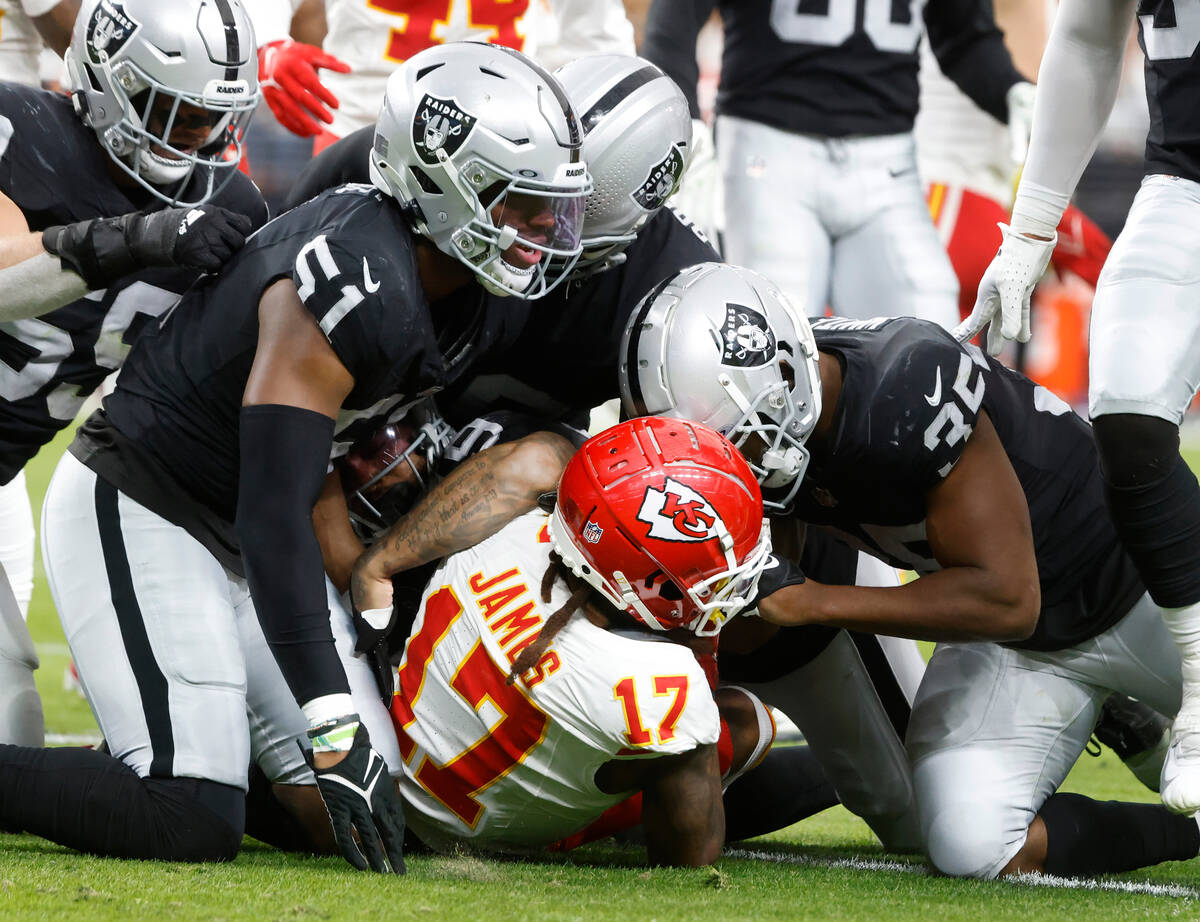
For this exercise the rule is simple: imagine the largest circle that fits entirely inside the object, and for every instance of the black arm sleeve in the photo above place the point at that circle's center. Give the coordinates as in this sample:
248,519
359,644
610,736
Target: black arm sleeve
970,50
284,457
670,42
344,161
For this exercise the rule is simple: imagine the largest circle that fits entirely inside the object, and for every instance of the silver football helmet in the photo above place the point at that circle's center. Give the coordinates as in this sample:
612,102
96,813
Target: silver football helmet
723,346
168,87
485,147
637,137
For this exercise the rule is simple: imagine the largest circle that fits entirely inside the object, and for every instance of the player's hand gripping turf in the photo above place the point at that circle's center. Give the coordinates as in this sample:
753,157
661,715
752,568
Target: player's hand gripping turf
359,797
1005,289
103,250
287,74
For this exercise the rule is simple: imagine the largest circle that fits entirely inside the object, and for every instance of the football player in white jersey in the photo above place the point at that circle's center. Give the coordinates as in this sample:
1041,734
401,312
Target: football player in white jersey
549,675
26,28
367,40
1144,362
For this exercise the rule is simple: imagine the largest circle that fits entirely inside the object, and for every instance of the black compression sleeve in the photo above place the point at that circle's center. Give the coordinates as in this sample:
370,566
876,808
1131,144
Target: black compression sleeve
670,42
970,50
284,458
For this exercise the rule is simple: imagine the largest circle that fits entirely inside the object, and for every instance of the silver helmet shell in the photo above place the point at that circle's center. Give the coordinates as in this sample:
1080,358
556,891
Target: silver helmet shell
722,345
486,149
637,137
133,63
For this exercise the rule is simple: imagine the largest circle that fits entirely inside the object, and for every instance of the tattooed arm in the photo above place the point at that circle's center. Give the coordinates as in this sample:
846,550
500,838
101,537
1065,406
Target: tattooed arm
475,501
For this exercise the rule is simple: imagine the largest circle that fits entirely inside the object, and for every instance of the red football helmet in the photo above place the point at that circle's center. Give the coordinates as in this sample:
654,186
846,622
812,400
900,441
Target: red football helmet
664,518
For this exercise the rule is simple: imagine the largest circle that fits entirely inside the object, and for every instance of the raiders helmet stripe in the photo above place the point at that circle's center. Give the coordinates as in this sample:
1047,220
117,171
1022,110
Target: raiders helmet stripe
618,92
575,139
233,51
631,357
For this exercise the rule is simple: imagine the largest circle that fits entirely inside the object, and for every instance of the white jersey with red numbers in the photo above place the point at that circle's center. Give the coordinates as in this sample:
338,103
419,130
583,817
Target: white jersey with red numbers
512,767
20,43
958,144
376,36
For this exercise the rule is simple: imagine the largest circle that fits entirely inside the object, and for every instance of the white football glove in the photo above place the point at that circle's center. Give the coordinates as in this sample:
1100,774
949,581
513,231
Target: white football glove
1004,291
1020,97
700,195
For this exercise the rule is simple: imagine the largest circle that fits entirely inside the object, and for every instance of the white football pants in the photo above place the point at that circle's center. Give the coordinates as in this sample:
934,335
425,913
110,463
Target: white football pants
994,731
852,703
17,539
1145,328
167,643
835,222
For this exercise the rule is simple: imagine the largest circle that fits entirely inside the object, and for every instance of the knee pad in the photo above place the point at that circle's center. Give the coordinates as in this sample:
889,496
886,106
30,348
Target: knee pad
962,845
1135,451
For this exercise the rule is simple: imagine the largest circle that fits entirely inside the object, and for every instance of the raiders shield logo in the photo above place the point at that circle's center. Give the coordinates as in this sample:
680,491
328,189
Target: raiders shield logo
440,124
108,29
661,181
676,512
746,340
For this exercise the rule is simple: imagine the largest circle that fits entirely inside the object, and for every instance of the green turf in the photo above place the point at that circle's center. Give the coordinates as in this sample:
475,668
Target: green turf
825,868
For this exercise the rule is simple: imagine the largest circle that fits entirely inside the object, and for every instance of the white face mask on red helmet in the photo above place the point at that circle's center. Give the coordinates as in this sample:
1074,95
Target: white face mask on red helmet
664,519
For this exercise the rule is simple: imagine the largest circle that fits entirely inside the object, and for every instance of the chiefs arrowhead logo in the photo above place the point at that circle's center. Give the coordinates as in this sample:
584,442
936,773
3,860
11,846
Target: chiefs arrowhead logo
676,512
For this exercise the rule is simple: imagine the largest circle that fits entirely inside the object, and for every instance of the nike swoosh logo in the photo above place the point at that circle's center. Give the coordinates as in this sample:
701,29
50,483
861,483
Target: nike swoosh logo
369,283
374,770
936,397
900,172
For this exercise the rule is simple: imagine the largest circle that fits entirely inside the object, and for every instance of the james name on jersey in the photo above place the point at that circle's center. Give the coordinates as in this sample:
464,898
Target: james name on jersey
513,767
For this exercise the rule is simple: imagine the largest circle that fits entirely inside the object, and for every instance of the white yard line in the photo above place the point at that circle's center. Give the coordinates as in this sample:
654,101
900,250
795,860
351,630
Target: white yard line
1144,888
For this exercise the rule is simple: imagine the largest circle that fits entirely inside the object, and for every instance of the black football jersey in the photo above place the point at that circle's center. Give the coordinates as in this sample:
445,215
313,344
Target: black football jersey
910,399
346,160
168,435
565,359
55,171
1172,49
833,67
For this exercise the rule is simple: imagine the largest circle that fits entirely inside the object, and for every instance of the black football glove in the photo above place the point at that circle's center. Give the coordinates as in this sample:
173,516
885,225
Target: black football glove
360,798
104,250
372,628
778,573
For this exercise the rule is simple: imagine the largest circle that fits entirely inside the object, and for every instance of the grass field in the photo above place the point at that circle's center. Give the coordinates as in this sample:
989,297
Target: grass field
828,867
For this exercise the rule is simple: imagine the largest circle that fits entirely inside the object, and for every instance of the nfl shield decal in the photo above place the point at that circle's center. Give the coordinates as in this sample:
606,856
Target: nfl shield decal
592,532
108,29
440,124
746,340
661,180
676,512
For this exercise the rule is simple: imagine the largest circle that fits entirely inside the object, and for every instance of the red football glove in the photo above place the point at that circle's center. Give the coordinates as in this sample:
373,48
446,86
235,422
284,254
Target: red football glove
1082,246
287,74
